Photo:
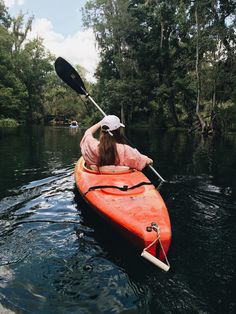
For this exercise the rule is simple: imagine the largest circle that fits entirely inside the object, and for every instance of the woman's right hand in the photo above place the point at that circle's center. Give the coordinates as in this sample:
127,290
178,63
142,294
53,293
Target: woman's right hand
150,161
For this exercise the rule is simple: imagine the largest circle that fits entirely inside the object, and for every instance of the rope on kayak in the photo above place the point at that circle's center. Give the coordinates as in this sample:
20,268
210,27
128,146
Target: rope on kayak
122,188
156,228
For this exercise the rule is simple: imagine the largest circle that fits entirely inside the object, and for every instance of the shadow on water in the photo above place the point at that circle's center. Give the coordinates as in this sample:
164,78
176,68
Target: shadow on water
58,256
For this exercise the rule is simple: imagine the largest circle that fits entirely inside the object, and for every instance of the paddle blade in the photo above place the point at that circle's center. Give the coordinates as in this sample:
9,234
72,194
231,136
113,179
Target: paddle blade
70,76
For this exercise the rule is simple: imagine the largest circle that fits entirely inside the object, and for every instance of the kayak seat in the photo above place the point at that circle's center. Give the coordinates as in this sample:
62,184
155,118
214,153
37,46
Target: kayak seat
110,169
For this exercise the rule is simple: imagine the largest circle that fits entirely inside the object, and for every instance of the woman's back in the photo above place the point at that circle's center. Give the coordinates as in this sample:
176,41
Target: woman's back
110,149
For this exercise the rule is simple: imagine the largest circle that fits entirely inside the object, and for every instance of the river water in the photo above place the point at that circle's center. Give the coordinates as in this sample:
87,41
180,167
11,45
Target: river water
57,256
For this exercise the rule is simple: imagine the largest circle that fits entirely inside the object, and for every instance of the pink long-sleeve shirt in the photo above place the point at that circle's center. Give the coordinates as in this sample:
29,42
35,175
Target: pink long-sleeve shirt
128,156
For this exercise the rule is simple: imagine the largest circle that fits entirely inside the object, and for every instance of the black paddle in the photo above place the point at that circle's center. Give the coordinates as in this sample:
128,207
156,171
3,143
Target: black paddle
72,78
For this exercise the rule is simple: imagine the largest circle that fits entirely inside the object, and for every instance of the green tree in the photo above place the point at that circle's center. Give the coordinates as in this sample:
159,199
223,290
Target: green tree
13,93
35,65
5,19
32,64
214,39
165,59
117,71
61,101
24,66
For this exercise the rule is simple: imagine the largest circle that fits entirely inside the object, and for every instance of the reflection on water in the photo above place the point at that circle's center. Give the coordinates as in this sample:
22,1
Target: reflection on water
57,256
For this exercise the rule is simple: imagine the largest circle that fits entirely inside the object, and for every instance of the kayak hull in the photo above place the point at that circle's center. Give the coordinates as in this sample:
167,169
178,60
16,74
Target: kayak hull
133,212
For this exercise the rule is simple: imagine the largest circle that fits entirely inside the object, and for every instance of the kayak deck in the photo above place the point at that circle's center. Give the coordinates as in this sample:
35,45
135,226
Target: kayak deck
134,211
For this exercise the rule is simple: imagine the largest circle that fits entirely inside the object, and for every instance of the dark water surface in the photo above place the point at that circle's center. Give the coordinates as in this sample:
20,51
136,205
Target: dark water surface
48,265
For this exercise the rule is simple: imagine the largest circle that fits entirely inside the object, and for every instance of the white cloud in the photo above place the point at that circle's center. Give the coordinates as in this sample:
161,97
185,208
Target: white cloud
78,48
11,3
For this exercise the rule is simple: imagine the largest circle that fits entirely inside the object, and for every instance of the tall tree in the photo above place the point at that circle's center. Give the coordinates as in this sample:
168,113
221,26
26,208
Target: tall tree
172,54
59,100
32,63
13,93
113,24
214,40
35,65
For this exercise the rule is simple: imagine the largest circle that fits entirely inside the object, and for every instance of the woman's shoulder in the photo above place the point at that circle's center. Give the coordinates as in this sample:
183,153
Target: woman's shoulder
88,138
127,150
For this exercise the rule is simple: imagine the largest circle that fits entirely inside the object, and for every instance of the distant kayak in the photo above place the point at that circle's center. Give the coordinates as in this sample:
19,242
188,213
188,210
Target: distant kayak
128,201
74,124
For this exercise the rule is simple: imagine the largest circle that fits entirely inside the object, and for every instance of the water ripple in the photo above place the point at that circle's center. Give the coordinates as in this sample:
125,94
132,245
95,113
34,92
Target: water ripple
52,248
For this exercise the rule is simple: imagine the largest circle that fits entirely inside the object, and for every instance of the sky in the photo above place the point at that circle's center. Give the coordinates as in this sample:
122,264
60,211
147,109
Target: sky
59,23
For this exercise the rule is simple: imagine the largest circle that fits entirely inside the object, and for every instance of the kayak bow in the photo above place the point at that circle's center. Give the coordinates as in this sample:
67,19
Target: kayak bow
128,201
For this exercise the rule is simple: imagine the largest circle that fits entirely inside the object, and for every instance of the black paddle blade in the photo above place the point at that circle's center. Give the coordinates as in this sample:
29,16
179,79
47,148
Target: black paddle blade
70,76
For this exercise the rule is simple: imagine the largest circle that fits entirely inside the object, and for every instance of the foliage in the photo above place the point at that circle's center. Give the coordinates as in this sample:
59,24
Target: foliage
166,63
166,60
29,88
8,123
60,100
12,90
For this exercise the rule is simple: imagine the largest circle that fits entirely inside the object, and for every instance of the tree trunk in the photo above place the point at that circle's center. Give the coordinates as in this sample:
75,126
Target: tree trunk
122,114
162,34
198,78
173,111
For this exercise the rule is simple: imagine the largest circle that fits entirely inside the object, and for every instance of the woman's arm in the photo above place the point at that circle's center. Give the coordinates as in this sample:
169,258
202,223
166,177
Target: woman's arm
134,159
89,145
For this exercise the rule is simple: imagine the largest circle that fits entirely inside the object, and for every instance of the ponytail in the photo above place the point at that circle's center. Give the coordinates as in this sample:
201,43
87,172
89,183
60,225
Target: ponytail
107,150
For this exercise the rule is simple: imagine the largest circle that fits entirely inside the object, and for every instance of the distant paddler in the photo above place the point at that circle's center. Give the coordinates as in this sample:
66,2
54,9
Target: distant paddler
74,124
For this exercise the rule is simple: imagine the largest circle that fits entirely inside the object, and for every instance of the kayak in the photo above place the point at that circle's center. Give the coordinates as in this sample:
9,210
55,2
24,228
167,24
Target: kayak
128,201
74,126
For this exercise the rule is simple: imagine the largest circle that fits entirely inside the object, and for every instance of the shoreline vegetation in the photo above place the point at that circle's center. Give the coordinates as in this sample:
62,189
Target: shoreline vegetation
9,123
171,65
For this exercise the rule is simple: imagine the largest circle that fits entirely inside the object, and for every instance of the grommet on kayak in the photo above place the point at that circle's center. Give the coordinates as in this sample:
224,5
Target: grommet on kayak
139,214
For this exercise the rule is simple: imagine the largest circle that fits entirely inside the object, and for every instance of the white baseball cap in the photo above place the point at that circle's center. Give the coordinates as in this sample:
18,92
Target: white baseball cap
112,122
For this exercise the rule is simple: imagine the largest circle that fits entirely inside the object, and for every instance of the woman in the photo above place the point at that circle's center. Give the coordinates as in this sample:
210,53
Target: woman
111,148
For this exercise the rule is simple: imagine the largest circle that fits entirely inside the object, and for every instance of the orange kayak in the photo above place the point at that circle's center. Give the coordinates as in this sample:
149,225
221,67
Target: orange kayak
128,201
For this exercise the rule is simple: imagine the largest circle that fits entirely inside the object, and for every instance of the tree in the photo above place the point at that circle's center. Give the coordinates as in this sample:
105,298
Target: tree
32,64
13,93
35,65
117,71
60,100
5,19
215,48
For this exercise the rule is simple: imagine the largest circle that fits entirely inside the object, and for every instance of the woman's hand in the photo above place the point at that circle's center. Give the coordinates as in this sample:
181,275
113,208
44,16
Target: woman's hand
150,161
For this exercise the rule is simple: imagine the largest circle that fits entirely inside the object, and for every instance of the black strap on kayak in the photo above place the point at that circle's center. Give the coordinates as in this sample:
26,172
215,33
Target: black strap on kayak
122,188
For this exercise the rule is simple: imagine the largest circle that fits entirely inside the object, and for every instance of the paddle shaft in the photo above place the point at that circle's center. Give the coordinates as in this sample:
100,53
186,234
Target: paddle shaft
100,109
